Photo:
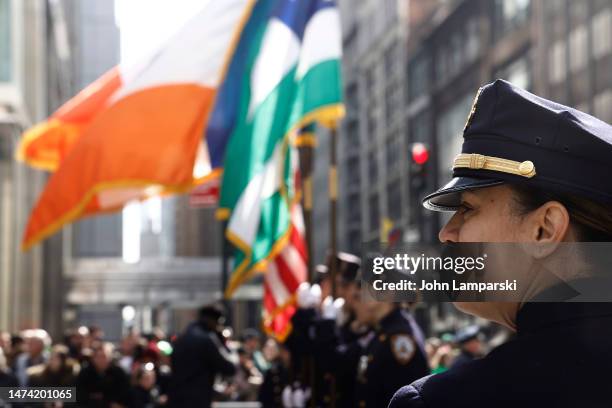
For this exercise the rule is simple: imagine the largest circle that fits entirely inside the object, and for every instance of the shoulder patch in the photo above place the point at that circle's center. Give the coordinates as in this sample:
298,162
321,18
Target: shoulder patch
403,348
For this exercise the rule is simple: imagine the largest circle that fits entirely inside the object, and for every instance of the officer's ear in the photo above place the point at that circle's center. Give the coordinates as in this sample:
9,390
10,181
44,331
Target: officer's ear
550,223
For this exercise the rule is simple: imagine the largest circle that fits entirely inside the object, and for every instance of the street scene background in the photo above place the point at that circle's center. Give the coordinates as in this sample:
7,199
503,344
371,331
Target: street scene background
411,69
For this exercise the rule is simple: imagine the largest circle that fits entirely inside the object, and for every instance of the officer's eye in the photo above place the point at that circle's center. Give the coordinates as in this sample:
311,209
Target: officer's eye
464,208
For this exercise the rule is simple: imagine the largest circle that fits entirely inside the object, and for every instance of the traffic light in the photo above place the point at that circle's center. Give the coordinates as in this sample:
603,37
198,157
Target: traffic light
418,167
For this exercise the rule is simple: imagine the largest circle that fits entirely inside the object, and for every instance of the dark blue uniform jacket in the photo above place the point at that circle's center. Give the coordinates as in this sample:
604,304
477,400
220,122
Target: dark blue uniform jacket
561,357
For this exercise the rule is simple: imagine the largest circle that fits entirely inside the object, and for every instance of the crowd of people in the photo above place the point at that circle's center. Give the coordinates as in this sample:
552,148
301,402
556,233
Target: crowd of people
351,352
138,371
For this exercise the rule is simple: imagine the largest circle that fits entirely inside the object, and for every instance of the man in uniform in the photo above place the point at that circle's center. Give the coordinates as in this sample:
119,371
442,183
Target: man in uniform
468,339
318,329
198,357
393,354
536,172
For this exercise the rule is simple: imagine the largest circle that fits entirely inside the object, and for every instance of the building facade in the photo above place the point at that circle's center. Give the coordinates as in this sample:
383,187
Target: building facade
557,49
24,99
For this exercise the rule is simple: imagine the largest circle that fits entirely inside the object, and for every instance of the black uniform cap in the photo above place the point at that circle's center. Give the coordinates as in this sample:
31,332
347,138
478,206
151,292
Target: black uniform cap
513,136
347,266
467,333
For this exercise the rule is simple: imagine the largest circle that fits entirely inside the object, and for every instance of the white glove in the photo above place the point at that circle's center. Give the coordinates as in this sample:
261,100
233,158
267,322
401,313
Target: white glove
287,396
315,295
331,309
300,397
308,296
303,295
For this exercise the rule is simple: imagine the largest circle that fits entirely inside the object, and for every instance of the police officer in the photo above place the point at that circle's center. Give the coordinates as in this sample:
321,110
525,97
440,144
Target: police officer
369,354
323,354
531,171
198,356
468,340
392,355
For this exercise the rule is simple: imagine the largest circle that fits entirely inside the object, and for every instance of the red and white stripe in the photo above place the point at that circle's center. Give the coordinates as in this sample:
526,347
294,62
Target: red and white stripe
284,275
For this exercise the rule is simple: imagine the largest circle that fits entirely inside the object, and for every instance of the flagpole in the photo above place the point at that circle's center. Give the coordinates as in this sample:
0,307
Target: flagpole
225,253
306,159
333,205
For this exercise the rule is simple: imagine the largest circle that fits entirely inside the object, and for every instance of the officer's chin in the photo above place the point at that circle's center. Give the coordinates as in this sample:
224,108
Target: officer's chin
503,313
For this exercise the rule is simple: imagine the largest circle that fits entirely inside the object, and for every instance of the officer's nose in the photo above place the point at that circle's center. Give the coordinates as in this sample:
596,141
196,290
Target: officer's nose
450,232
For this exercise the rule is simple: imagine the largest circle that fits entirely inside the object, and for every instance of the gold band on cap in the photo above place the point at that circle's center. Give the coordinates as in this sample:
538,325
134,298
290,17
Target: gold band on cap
476,161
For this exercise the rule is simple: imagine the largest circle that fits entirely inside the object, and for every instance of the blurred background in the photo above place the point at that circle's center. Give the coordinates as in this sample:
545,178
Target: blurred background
411,70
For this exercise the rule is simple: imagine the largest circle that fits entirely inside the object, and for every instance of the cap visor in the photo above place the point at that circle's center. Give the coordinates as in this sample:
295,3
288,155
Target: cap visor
448,198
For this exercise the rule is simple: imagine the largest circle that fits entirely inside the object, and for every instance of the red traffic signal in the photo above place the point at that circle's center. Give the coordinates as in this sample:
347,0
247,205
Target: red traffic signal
420,154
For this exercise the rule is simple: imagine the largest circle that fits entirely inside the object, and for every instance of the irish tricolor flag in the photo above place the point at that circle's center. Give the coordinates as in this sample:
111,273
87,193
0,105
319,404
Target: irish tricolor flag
286,74
140,130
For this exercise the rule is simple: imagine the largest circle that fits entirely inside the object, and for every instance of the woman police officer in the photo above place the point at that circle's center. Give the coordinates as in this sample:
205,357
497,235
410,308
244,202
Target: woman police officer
537,172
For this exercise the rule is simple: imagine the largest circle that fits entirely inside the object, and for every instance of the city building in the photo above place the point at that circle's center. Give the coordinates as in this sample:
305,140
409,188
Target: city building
26,62
557,49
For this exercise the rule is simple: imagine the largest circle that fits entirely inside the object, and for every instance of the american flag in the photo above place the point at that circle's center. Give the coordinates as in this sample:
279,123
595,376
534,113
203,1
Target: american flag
286,272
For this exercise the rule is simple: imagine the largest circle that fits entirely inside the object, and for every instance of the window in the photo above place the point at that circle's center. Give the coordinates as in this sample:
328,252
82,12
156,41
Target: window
578,48
579,10
352,99
556,62
394,201
354,209
603,106
420,128
450,125
355,242
373,167
602,33
472,41
391,59
374,213
393,100
456,49
418,77
352,169
555,7
510,15
441,64
5,41
517,72
393,152
370,81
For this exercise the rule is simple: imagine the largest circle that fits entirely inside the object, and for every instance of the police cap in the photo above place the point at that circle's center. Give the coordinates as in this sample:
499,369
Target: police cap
467,333
513,136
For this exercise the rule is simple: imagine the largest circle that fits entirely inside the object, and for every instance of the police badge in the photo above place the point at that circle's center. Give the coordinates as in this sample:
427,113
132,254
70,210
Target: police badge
403,348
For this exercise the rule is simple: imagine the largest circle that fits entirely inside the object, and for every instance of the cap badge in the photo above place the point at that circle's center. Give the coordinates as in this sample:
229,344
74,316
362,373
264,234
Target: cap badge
472,110
476,161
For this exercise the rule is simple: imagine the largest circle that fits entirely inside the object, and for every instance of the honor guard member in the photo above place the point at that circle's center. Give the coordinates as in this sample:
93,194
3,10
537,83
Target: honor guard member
537,172
393,354
318,328
336,337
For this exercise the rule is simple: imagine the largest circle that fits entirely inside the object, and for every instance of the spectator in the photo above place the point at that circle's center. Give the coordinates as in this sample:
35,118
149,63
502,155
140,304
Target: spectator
95,333
102,384
7,379
60,370
76,340
199,356
127,350
251,342
35,343
248,378
145,393
277,377
442,359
